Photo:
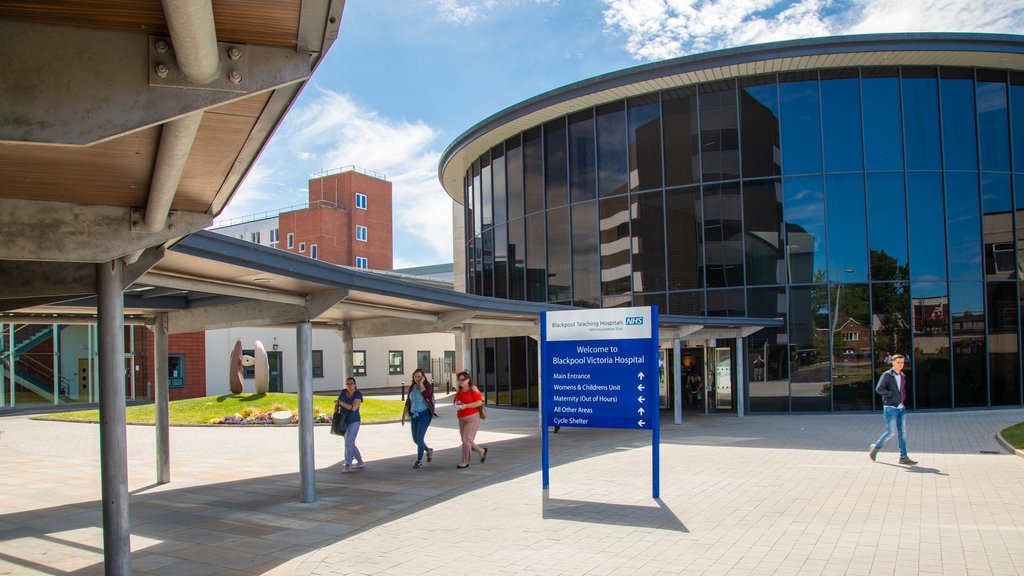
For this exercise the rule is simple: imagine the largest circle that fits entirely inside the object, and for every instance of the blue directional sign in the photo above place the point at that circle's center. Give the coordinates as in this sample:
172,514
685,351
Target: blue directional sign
599,369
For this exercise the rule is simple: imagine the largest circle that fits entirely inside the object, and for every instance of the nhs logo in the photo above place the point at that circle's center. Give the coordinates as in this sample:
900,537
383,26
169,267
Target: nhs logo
634,320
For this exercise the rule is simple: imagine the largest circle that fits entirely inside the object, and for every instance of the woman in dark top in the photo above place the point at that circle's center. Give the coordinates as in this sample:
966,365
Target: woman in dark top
349,400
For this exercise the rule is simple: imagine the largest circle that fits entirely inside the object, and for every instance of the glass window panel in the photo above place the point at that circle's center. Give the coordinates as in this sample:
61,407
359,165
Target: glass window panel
759,127
682,157
852,377
762,220
500,205
478,206
809,352
1018,187
930,360
612,150
997,222
804,210
887,227
1004,361
841,122
486,262
684,238
883,138
486,204
533,171
559,256
536,259
993,120
556,169
768,364
723,235
921,118
719,138
959,137
689,303
846,218
502,386
890,313
648,227
963,224
586,261
582,161
731,302
517,260
801,127
644,116
514,180
501,261
518,371
657,300
927,226
616,247
967,317
1017,119
470,197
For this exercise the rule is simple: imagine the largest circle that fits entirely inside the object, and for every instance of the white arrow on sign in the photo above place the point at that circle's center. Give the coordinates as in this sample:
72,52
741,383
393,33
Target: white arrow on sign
640,411
640,375
640,387
640,423
640,399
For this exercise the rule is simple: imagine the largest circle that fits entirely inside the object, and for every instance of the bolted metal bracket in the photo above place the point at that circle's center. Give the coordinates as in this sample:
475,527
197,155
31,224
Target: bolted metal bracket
164,71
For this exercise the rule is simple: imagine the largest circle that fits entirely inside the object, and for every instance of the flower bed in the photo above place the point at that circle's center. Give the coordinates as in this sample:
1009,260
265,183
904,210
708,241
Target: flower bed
251,416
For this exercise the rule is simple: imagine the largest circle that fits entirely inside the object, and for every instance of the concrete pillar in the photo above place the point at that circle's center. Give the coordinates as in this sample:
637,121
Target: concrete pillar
113,435
161,400
304,364
346,352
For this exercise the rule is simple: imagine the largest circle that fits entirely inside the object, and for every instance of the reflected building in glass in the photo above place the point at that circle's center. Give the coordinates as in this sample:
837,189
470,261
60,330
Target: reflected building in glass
864,189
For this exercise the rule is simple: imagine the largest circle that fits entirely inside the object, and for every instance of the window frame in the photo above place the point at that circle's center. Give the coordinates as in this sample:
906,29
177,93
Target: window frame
317,362
360,200
396,368
359,362
361,233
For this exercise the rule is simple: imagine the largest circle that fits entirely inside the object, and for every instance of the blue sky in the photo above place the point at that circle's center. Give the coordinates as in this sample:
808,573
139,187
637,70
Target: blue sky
406,77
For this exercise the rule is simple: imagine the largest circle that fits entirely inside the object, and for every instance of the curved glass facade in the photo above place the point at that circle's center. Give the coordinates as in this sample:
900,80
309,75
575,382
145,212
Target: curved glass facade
877,210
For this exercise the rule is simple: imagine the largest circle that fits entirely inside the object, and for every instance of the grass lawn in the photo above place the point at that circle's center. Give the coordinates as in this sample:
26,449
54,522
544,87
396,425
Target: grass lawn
211,409
1014,435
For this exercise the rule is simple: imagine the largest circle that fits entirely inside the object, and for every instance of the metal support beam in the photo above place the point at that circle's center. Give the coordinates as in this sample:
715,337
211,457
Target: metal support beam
113,435
304,362
161,395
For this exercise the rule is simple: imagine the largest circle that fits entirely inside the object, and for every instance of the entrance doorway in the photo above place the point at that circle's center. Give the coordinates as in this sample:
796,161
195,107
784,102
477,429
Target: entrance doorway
691,361
274,365
722,390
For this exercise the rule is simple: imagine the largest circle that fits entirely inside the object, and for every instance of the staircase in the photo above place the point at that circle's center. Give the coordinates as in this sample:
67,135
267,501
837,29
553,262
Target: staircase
29,373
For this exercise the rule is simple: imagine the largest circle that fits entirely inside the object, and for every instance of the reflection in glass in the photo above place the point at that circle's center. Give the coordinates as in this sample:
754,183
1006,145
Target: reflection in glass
514,179
997,223
883,139
500,204
501,261
690,303
648,226
483,184
993,121
536,259
533,170
809,353
887,227
685,246
967,317
840,121
759,127
612,151
586,290
801,123
1017,126
931,345
730,302
963,224
559,256
804,209
723,235
959,136
582,162
921,118
762,219
485,242
1004,361
768,352
852,376
927,226
517,260
616,247
719,142
682,158
890,309
644,143
847,235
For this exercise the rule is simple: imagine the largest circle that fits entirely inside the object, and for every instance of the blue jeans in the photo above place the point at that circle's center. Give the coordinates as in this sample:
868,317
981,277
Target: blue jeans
420,422
351,452
895,418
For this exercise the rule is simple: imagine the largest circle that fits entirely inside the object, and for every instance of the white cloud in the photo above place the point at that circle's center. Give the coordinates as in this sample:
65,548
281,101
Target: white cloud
472,11
329,131
660,29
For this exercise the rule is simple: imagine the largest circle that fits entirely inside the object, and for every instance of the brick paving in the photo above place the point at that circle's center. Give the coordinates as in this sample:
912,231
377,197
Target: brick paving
764,494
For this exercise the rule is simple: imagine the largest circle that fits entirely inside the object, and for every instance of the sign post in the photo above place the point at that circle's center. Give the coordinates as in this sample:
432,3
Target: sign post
599,369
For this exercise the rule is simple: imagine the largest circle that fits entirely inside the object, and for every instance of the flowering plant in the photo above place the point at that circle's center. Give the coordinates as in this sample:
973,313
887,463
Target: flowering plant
254,415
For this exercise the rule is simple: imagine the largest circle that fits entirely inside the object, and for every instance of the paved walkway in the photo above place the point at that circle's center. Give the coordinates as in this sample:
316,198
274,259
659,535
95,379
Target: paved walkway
780,494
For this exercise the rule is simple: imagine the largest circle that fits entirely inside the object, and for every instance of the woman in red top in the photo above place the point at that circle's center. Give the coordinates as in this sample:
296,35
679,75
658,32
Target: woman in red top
468,401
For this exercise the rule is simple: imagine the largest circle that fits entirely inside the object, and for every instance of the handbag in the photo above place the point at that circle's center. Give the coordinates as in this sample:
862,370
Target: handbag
483,412
339,422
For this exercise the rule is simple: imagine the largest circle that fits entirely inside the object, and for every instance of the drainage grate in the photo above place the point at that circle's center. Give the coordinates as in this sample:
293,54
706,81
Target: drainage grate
990,452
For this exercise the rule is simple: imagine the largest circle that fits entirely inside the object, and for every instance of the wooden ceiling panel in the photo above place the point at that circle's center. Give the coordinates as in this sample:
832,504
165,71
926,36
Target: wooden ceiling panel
251,106
113,173
263,22
217,145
